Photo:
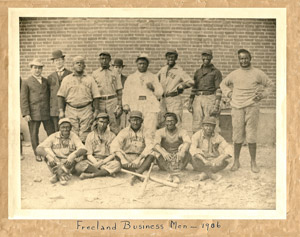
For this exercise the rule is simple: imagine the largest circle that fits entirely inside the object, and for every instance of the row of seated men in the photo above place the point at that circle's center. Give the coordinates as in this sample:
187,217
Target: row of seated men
132,149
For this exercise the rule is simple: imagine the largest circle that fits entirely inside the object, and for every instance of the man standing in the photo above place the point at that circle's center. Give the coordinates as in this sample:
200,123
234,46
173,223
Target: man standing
133,147
173,145
209,151
141,92
35,105
63,152
100,160
54,81
173,80
206,94
110,89
75,97
245,86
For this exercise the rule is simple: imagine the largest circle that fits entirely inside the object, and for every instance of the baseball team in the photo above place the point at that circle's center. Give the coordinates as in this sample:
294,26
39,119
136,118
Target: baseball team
105,123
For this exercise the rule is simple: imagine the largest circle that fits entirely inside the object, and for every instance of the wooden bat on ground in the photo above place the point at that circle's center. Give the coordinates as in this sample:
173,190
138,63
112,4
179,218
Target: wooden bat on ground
161,181
146,180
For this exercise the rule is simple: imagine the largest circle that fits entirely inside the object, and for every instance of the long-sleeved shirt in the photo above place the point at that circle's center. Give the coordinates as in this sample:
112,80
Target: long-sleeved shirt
138,96
214,146
244,83
172,78
207,79
131,142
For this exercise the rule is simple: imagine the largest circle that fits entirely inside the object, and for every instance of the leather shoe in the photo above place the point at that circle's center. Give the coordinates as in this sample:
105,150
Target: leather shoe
38,159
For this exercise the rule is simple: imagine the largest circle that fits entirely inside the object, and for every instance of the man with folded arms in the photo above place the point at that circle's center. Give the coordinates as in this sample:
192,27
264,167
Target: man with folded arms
63,152
77,93
133,146
173,80
100,160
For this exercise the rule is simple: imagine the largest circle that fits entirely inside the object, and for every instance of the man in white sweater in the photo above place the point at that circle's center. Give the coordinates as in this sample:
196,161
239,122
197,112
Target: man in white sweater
245,86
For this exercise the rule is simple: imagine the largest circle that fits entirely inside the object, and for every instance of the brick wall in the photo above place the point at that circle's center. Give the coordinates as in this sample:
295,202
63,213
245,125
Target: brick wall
126,38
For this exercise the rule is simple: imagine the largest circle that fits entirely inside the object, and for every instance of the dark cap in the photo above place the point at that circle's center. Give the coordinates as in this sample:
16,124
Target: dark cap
207,51
136,114
102,115
171,51
170,114
57,54
118,62
105,53
209,120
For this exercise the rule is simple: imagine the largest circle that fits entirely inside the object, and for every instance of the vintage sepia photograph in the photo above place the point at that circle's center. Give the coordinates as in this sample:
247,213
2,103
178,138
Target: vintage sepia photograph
160,112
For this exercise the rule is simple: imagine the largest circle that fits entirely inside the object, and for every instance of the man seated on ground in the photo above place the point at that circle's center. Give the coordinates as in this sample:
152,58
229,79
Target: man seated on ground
100,161
62,152
133,147
209,151
173,145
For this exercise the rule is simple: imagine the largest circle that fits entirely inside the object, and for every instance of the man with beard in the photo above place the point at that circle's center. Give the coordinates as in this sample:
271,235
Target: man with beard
173,80
246,87
62,151
133,147
209,150
75,97
173,145
54,81
206,95
141,92
35,104
110,89
100,161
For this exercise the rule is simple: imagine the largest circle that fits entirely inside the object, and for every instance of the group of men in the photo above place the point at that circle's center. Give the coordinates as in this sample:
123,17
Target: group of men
86,116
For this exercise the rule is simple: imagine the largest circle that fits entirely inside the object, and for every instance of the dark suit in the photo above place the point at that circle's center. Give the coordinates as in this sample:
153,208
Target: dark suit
35,102
54,81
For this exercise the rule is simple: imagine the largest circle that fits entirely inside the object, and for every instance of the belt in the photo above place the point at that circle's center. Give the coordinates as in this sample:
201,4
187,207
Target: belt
142,97
109,97
204,92
171,94
79,107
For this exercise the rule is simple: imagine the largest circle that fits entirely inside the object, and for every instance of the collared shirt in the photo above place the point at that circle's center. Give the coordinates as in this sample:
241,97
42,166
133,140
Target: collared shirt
172,78
171,141
213,146
39,79
107,80
61,147
131,142
207,79
138,96
244,83
78,91
60,72
98,145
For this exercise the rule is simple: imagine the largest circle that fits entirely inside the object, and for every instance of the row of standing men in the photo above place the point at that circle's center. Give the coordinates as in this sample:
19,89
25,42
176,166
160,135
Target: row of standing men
81,97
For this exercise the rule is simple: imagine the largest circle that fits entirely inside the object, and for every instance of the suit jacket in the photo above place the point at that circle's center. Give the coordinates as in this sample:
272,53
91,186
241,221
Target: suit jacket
35,99
123,79
54,81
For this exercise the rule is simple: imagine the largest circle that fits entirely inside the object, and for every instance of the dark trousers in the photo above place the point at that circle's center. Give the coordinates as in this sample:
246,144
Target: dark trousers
34,127
54,120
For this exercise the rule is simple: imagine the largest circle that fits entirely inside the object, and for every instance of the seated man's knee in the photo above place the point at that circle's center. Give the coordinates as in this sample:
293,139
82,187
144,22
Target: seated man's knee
81,167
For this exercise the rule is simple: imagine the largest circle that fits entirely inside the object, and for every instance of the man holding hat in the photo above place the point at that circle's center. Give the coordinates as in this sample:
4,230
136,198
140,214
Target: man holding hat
54,81
63,152
173,80
110,89
35,105
141,92
206,95
173,145
133,147
209,150
100,161
77,93
246,87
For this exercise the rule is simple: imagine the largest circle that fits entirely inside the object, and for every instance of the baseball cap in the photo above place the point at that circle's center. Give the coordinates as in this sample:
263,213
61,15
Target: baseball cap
143,56
105,53
136,114
209,120
102,115
171,51
78,59
207,51
64,120
36,62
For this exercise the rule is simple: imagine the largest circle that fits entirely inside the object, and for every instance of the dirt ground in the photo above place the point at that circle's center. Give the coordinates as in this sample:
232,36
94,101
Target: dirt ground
236,190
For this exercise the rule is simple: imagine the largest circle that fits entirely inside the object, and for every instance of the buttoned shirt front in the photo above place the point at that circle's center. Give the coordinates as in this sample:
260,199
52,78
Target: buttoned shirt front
171,78
78,90
213,146
98,145
62,147
107,80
